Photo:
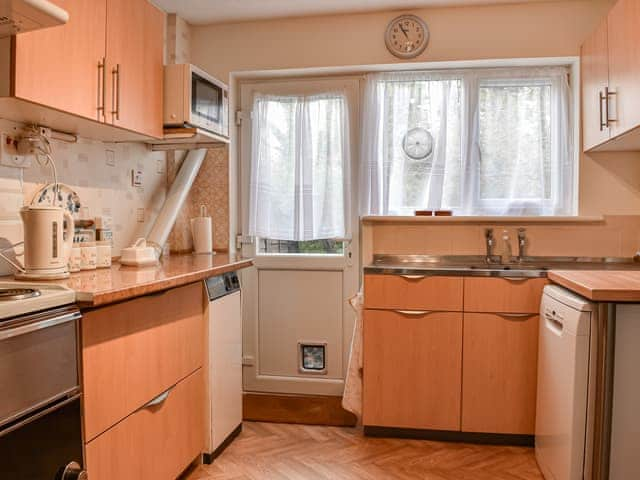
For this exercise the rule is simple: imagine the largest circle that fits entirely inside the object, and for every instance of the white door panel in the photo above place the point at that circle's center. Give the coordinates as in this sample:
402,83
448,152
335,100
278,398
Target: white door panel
292,298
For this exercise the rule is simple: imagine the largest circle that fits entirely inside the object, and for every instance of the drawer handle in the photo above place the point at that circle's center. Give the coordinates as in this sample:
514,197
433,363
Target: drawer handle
160,399
414,313
516,316
413,277
516,279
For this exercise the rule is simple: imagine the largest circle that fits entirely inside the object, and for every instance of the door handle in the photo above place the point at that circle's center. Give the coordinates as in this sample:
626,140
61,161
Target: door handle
115,95
601,98
159,400
607,96
413,277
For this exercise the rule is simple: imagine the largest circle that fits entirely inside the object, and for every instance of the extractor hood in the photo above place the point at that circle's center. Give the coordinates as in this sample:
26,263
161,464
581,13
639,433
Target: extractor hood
18,16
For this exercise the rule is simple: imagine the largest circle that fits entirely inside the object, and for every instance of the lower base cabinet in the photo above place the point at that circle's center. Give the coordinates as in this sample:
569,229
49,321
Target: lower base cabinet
157,441
413,369
499,373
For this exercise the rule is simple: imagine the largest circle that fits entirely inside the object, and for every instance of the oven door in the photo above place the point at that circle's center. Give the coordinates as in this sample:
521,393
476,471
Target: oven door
208,104
47,445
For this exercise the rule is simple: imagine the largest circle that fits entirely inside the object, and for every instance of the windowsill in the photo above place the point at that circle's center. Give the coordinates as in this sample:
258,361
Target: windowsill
373,219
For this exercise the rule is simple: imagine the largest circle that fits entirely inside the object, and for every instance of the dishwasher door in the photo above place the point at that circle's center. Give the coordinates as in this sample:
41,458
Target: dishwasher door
225,367
563,384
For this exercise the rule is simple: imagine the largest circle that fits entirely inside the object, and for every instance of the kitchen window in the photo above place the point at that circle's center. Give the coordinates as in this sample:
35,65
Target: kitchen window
478,142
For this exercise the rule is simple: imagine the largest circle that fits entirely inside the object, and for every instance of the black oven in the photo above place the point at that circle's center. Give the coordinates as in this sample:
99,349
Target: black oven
40,418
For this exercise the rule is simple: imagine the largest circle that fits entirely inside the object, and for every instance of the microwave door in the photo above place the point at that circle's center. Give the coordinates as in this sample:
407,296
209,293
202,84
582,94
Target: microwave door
206,100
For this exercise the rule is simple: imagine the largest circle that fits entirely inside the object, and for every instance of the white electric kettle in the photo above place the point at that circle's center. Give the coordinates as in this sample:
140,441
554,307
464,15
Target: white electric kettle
48,238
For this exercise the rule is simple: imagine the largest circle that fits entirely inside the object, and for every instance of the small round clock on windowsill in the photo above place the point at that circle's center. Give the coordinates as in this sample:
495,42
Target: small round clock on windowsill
407,36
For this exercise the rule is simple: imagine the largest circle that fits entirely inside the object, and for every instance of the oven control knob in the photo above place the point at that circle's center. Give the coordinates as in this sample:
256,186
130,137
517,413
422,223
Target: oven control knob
73,471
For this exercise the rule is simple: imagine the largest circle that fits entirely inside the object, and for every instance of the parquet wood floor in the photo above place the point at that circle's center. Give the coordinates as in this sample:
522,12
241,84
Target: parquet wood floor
271,451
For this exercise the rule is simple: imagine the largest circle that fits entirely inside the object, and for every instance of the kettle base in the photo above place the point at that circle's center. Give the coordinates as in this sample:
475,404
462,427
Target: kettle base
41,276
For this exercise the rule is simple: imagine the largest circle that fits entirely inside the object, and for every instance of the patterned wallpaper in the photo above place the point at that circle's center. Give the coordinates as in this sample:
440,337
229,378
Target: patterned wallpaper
211,189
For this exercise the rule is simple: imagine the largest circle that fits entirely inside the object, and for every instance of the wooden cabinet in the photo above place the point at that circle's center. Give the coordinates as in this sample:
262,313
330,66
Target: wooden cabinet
595,79
133,351
470,369
135,65
154,442
105,64
503,295
624,64
59,66
499,373
413,368
610,60
415,292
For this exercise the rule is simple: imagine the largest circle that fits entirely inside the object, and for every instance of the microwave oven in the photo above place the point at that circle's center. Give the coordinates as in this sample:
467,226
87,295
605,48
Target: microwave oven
193,98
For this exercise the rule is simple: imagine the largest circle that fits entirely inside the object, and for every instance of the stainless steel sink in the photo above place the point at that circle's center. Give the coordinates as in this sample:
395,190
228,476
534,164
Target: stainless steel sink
476,265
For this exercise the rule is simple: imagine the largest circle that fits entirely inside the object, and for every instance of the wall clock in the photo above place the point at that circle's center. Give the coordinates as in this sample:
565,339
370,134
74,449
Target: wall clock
407,36
417,143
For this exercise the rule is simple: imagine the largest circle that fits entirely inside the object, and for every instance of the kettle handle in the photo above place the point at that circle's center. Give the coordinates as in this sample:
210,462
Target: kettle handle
69,231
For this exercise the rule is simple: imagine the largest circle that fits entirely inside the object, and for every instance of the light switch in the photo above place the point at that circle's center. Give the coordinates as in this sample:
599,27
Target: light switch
136,178
110,158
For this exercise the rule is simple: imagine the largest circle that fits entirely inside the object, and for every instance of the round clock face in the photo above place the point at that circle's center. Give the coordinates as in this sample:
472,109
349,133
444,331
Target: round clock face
417,143
407,36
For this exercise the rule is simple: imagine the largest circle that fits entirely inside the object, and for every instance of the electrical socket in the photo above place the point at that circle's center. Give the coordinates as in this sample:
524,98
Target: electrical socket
9,155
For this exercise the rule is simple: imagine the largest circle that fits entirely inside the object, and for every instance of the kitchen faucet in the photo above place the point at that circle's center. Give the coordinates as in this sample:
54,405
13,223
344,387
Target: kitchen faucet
522,243
488,236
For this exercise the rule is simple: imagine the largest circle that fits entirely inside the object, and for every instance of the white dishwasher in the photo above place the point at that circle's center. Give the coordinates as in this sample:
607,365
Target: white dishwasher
224,407
566,381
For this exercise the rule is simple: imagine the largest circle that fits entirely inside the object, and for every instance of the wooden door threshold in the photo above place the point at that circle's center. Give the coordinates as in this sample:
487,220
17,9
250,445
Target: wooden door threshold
302,409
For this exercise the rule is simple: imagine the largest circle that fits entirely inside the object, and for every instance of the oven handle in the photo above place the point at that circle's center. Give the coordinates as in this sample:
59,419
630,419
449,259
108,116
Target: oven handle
38,325
38,415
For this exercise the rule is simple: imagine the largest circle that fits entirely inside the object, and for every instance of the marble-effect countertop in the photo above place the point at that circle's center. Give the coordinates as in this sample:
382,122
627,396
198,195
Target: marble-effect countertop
109,285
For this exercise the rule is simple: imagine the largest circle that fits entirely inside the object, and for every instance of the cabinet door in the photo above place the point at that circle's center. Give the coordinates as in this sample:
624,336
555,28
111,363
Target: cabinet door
59,66
624,64
155,442
499,373
595,78
135,65
412,369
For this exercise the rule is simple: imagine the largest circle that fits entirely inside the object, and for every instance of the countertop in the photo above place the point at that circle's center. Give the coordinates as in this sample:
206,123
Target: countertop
103,286
600,285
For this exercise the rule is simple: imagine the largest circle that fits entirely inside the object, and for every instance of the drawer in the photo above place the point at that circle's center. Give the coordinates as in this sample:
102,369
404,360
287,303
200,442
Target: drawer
503,295
156,441
409,292
135,350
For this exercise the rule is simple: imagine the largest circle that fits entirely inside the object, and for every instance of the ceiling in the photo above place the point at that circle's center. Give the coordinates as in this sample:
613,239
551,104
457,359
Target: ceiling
199,12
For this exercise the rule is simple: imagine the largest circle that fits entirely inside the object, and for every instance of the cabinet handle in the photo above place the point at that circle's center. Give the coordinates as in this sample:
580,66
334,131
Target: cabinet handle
516,316
601,98
413,277
515,279
607,95
414,313
115,96
102,80
160,399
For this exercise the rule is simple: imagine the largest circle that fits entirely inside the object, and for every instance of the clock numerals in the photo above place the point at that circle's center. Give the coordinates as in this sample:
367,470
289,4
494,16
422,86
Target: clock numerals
407,36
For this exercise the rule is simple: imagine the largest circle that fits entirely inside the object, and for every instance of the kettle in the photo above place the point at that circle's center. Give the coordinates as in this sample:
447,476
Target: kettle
48,238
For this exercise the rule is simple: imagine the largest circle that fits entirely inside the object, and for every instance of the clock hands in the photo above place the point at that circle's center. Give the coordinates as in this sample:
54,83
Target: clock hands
403,31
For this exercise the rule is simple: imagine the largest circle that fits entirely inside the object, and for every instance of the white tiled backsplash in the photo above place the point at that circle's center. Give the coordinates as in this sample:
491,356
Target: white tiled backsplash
100,173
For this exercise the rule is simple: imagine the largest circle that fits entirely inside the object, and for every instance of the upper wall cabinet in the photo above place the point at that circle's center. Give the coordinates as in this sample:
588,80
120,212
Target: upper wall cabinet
105,64
610,73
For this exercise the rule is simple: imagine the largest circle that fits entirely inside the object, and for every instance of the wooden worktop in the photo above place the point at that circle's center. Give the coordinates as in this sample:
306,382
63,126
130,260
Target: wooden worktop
103,286
600,285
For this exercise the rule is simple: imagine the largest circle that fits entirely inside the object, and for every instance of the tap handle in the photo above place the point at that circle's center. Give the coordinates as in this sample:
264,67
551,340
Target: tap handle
488,233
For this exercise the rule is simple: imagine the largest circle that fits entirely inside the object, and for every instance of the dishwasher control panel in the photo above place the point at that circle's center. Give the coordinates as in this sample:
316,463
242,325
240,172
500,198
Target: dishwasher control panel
222,285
